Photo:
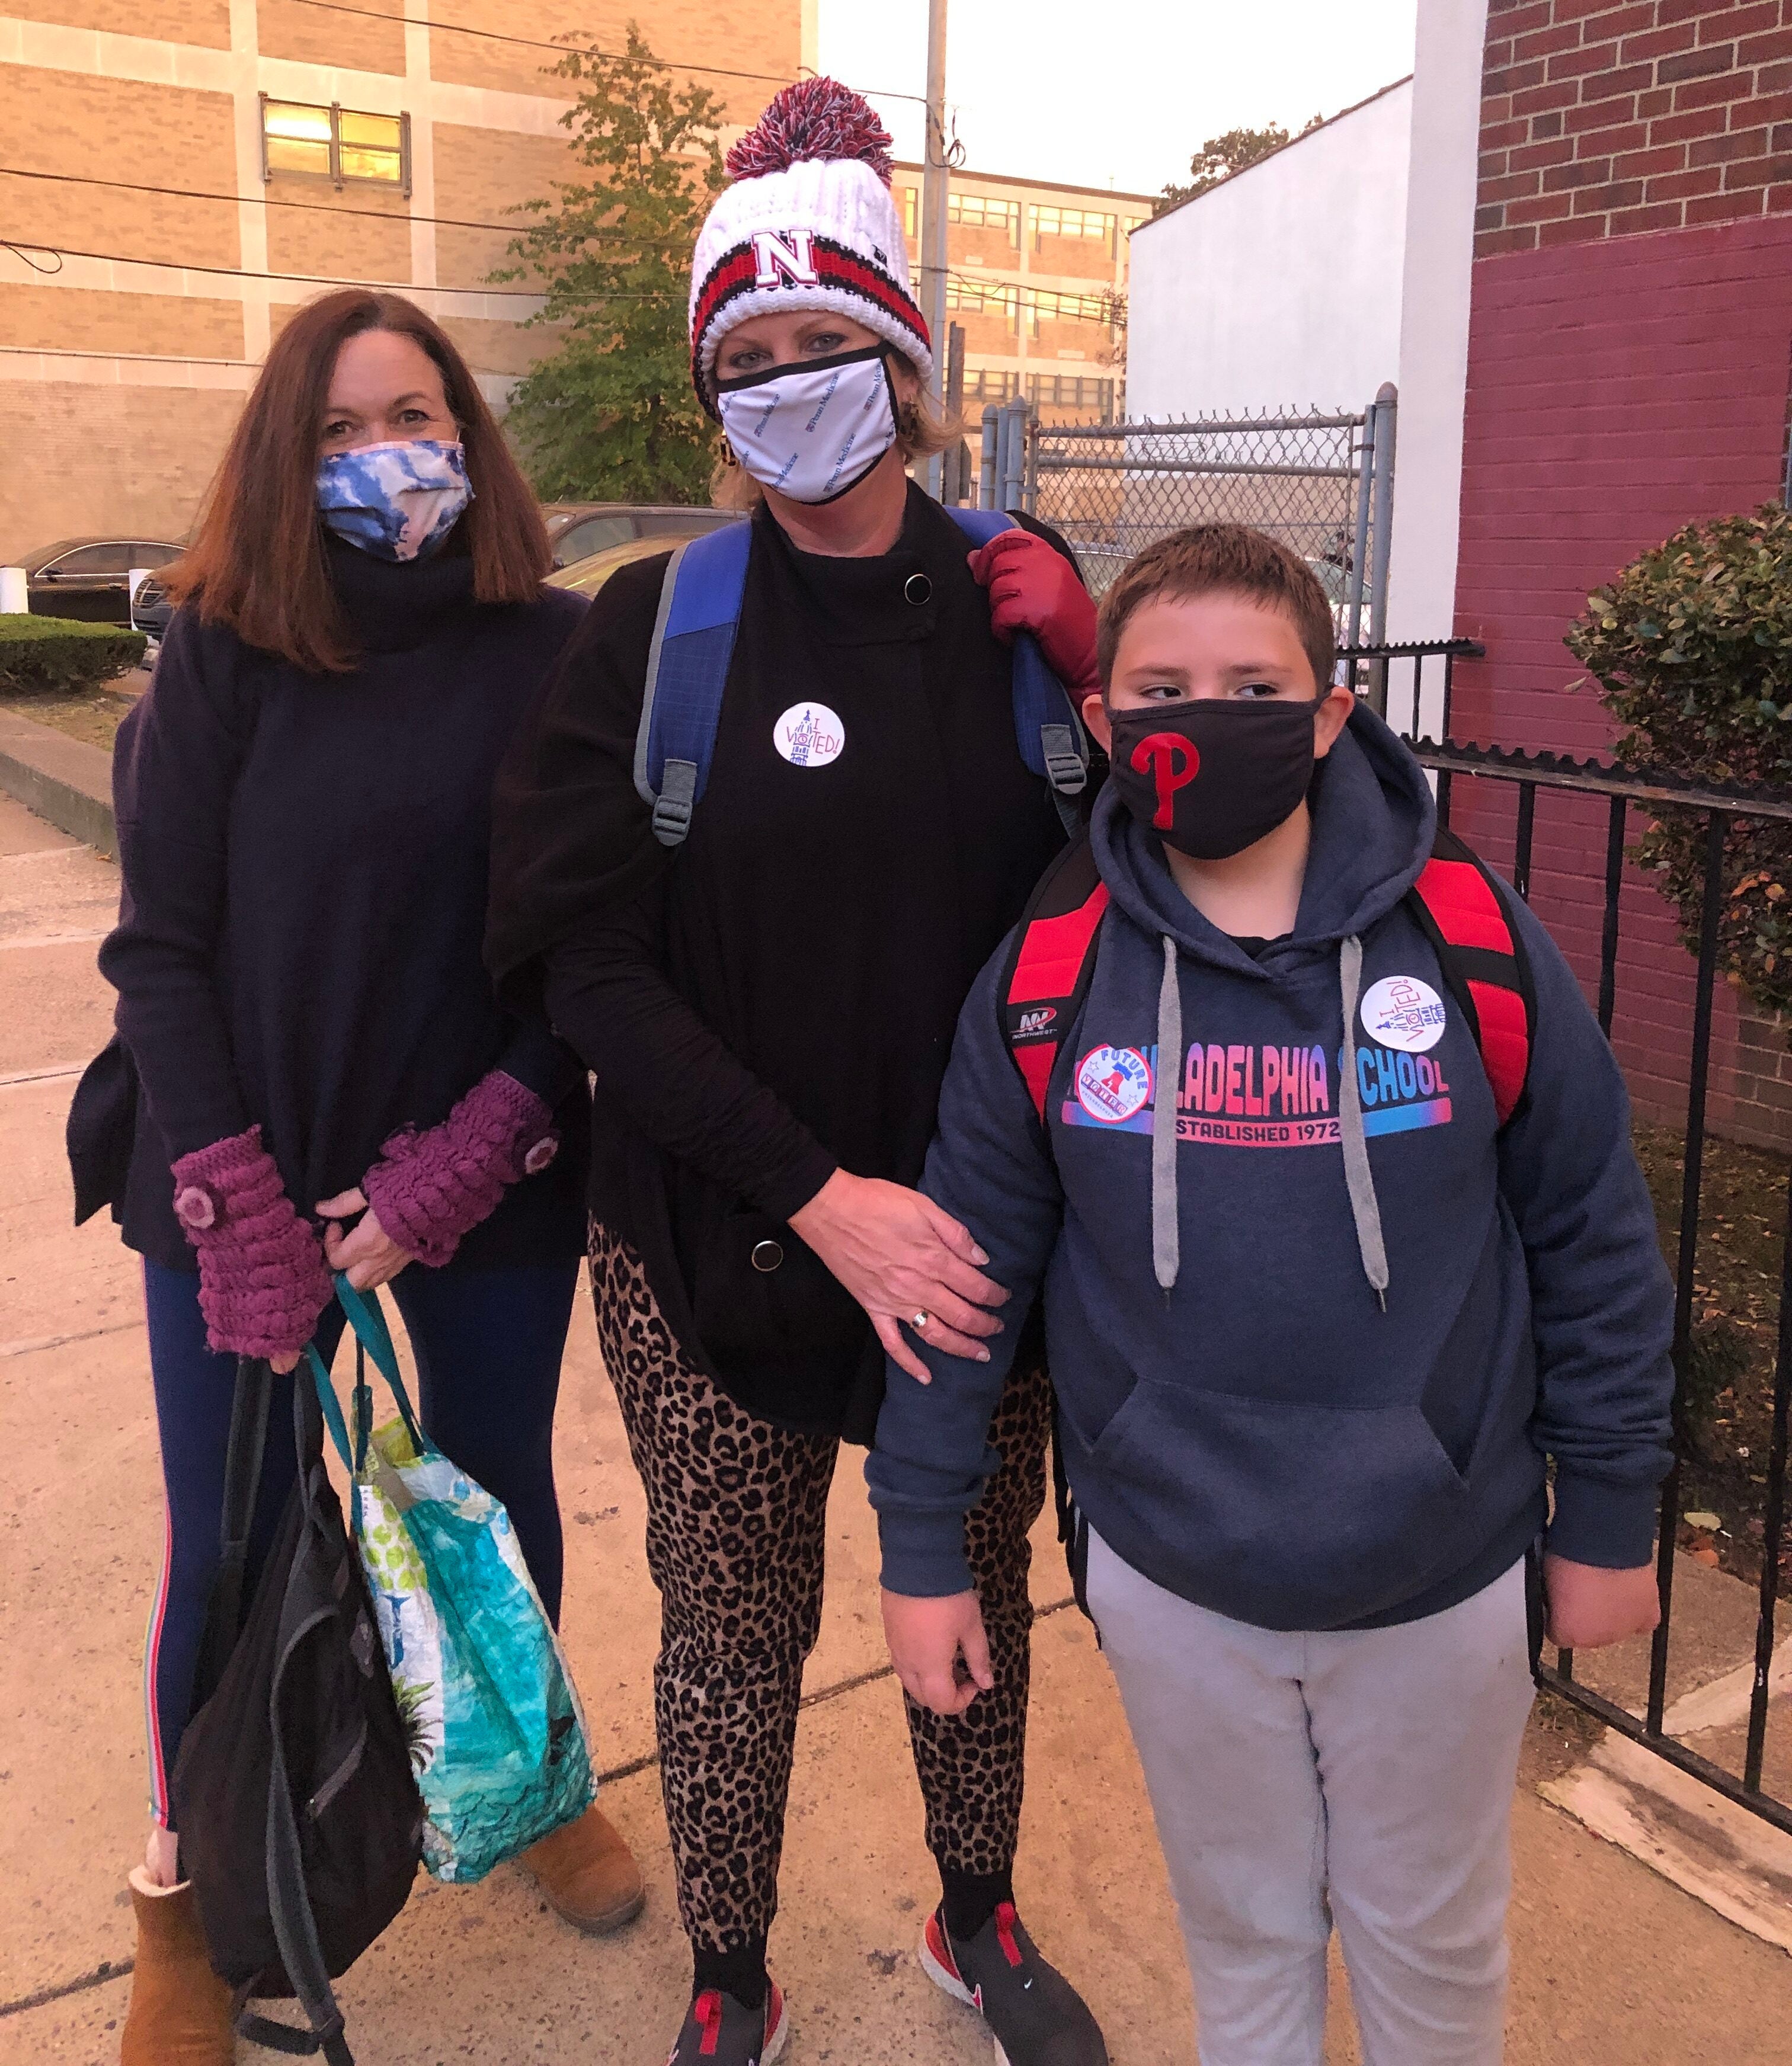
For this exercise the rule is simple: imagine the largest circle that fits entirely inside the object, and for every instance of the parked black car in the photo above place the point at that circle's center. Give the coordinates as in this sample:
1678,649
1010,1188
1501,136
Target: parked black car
576,530
150,609
89,578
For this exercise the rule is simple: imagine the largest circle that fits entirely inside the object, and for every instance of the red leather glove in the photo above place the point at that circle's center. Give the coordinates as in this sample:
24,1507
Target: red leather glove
1032,587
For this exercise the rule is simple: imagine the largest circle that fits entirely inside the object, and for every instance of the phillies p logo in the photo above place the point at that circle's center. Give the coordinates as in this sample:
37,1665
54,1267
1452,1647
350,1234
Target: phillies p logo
1172,762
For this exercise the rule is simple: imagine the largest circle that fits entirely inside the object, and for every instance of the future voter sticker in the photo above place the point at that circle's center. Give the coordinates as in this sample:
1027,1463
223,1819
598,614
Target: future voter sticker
1399,1011
810,735
1112,1083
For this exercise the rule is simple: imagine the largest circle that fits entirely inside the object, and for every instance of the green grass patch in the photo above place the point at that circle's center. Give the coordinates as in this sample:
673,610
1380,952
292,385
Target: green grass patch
56,654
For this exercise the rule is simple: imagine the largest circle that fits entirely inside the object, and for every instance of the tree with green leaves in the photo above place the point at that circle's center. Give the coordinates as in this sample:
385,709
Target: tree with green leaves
1221,156
609,414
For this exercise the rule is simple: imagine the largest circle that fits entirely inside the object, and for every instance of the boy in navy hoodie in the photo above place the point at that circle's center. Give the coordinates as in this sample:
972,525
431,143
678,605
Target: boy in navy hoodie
1317,1320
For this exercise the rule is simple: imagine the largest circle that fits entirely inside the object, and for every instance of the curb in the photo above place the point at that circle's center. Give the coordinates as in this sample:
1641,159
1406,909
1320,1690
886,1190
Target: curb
63,780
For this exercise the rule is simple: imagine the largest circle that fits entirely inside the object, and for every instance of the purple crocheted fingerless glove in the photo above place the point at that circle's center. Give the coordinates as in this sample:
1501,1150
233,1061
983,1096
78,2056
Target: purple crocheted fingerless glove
262,1277
430,1189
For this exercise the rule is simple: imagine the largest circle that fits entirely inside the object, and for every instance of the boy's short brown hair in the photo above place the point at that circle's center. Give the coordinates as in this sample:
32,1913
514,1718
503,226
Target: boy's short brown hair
1223,558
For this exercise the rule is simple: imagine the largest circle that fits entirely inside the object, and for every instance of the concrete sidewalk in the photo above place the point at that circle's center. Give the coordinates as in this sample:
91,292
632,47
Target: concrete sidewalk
1610,1964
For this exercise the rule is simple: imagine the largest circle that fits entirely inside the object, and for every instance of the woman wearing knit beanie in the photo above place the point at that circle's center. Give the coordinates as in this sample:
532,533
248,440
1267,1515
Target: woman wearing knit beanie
767,1008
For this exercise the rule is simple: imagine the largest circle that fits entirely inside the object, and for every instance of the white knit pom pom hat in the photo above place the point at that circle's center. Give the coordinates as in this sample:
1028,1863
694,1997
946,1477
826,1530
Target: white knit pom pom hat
810,223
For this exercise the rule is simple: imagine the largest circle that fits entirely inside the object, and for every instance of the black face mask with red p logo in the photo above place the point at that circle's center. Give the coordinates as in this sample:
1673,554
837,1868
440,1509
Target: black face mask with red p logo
1213,776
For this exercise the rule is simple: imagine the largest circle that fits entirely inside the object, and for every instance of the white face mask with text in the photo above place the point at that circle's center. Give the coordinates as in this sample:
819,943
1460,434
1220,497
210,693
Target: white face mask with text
811,432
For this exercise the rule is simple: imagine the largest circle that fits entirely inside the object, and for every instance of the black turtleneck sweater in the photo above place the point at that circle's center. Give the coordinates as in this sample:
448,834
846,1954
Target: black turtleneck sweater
776,999
305,866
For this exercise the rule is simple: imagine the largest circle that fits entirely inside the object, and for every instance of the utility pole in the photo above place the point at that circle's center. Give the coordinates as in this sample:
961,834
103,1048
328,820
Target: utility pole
935,182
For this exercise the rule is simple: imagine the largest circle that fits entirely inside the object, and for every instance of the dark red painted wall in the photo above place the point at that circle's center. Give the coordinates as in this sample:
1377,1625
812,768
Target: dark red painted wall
1617,389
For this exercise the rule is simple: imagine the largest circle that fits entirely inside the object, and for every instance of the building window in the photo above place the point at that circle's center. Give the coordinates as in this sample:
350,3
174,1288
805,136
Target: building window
1071,390
1043,302
976,298
982,211
335,142
911,213
990,384
1050,221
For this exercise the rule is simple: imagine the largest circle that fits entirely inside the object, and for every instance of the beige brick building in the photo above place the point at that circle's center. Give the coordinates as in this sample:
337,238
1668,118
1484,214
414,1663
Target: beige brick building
1038,280
288,143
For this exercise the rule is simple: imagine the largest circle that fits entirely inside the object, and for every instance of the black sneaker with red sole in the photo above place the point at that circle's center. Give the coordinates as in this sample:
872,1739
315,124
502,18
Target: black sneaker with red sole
1036,2016
721,2029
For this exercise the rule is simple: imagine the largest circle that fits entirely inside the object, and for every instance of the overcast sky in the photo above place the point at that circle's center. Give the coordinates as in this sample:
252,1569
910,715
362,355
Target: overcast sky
1117,92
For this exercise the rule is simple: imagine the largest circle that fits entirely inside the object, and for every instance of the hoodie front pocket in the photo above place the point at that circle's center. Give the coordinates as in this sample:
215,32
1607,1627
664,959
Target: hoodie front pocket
1280,1513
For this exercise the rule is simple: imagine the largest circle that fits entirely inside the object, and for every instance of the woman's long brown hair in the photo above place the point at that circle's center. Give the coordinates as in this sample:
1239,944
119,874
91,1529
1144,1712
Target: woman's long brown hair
257,561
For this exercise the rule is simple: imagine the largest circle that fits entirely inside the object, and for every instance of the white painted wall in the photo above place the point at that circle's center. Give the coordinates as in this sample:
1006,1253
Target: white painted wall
1434,321
1283,286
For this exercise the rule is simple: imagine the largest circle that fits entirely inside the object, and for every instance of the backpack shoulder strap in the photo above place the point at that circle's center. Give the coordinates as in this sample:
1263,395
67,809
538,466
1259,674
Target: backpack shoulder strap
1050,962
1458,905
1048,726
687,670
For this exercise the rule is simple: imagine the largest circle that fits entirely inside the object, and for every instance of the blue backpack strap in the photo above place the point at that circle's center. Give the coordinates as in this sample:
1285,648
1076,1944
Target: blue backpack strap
687,670
1047,727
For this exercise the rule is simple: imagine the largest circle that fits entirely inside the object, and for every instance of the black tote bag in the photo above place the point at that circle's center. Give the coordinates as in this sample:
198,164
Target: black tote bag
300,1823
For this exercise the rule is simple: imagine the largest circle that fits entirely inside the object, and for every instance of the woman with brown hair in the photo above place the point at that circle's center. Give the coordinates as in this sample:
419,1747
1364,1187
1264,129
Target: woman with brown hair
311,1072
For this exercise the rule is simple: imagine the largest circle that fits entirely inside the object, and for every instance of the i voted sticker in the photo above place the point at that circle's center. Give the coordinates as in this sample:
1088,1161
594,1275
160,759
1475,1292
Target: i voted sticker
1400,1011
810,735
1112,1083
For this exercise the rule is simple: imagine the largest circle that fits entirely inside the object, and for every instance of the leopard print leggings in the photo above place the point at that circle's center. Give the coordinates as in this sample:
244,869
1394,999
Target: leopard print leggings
736,1514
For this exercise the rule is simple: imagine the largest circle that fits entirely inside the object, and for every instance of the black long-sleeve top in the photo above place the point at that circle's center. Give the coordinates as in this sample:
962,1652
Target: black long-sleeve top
305,865
776,999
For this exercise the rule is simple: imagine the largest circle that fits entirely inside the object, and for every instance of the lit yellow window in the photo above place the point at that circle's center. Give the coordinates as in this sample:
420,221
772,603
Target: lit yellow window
295,139
984,211
337,142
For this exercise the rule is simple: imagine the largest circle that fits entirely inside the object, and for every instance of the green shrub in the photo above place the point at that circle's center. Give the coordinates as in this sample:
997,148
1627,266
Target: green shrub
50,653
1692,648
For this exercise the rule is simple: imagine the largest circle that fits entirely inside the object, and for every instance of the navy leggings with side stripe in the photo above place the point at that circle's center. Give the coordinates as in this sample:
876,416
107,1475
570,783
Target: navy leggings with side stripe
488,1344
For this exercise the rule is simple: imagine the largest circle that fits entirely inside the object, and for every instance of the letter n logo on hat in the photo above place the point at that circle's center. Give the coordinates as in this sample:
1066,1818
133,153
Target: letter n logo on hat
793,259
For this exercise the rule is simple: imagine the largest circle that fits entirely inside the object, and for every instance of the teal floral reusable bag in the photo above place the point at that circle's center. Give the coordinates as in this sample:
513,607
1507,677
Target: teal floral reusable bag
498,1739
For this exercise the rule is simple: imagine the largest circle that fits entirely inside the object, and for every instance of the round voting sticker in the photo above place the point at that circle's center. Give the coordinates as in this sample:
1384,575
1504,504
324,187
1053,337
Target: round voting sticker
1400,1011
1112,1083
810,735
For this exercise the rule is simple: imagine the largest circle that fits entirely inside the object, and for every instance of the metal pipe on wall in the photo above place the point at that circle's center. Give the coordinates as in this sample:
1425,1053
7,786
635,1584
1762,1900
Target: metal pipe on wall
935,189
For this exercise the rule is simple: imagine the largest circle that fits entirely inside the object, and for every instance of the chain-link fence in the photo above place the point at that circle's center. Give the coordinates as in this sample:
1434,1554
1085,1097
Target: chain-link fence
1323,483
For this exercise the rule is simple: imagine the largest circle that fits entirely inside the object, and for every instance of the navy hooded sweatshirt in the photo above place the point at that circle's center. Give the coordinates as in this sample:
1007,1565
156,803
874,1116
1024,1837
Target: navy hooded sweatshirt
1263,1437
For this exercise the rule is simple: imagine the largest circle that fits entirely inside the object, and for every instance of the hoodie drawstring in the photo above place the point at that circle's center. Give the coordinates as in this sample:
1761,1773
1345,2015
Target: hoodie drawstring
1358,1181
1165,1234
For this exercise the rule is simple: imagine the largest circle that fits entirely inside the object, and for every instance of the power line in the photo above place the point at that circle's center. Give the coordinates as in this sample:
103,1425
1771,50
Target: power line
582,50
324,208
61,251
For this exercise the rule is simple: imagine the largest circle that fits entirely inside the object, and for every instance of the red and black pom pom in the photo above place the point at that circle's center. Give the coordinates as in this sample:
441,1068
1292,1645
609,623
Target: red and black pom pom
816,118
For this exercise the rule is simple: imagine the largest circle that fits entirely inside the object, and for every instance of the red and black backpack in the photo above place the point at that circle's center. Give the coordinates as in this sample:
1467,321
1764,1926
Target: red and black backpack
1455,901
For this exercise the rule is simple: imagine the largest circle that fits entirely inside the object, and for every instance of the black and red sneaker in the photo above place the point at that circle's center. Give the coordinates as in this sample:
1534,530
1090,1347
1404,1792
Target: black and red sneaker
1036,2016
725,2030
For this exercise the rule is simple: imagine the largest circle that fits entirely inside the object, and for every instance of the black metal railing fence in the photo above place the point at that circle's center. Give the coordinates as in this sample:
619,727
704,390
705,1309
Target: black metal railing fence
1412,684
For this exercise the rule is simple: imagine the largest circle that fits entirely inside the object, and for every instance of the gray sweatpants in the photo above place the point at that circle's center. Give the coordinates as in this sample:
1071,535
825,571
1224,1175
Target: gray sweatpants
1363,1778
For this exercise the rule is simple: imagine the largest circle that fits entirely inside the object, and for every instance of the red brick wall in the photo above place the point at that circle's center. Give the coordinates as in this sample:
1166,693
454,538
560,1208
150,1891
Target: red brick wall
1601,120
1630,343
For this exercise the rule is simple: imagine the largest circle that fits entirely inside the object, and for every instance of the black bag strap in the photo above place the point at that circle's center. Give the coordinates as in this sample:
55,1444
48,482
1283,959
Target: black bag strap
242,1479
295,1929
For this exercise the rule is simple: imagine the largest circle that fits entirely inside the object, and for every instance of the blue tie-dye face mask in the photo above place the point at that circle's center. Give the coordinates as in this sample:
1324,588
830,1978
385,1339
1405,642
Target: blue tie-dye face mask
397,501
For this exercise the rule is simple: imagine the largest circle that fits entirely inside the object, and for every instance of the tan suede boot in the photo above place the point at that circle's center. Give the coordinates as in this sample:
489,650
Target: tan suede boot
588,1874
180,2013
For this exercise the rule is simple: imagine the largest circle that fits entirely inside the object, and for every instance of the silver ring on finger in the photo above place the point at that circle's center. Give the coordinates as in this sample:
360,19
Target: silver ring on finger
921,1322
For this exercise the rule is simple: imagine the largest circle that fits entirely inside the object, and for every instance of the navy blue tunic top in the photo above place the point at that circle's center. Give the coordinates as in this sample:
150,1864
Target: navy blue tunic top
304,898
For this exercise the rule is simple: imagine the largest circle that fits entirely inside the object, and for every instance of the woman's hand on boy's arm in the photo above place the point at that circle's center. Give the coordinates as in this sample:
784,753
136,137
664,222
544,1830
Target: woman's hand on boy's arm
1588,1607
926,1638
